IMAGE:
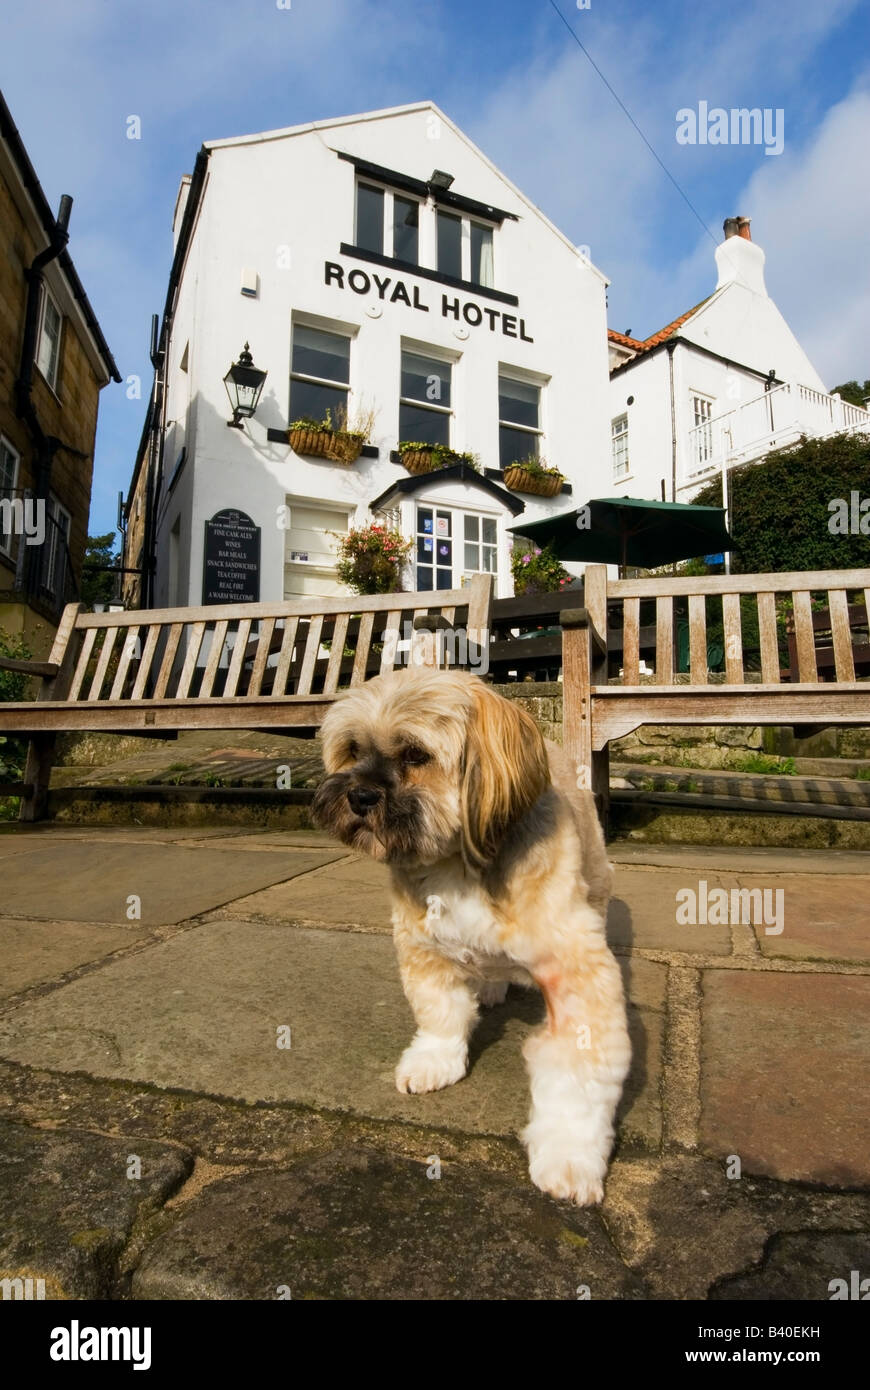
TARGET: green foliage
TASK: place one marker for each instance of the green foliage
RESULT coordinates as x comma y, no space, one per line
97,586
852,391
537,571
371,558
762,762
13,751
780,508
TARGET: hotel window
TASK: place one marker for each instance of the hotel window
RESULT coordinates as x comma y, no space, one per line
619,445
8,477
378,209
320,373
406,229
481,544
424,407
464,249
442,563
48,339
370,217
449,244
56,546
702,412
519,420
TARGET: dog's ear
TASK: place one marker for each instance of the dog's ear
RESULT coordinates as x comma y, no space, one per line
504,772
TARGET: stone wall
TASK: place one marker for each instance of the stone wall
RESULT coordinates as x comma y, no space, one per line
679,745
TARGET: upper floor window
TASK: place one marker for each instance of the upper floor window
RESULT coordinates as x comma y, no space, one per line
8,479
619,445
702,414
319,373
387,223
56,546
48,339
519,420
464,249
424,407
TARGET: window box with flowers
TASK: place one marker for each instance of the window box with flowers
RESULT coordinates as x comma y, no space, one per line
533,475
537,571
426,458
334,440
371,559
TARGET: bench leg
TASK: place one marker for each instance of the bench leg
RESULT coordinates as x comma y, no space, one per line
37,773
600,782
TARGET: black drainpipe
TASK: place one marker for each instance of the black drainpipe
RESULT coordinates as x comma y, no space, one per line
46,445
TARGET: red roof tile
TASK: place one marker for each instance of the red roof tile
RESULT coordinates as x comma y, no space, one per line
663,334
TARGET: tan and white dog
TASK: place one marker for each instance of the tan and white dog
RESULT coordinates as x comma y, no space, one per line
499,874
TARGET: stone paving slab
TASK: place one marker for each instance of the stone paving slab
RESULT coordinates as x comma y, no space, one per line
67,1205
822,920
64,881
784,1074
201,1012
684,1225
33,953
356,1224
643,912
805,1267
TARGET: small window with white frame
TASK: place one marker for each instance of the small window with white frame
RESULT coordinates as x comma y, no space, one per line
9,461
464,248
619,445
57,545
48,338
425,399
387,222
319,373
702,415
519,420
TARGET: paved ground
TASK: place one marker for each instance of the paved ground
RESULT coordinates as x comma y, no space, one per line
159,1137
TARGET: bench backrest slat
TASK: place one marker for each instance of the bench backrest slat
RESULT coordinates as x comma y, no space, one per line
285,655
264,645
215,652
664,640
733,634
841,635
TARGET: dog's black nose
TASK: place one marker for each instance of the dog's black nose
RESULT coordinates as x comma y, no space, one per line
363,799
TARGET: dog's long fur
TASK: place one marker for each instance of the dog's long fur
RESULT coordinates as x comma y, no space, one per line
499,875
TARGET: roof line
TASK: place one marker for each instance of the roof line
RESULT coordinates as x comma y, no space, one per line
386,113
10,133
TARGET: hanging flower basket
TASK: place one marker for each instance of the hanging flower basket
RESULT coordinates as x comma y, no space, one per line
341,446
519,477
309,439
422,459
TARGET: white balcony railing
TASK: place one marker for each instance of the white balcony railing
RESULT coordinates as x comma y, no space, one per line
770,421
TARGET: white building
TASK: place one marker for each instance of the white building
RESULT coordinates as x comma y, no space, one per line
372,262
723,384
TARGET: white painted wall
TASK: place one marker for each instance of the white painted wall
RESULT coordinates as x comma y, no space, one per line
288,196
739,323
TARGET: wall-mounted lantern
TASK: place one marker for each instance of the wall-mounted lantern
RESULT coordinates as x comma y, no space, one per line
244,382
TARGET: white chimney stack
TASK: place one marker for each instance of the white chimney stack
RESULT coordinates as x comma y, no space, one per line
738,259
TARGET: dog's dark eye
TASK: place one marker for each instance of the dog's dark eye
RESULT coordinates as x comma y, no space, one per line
353,749
414,756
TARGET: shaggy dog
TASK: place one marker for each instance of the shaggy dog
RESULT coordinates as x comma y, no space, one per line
499,875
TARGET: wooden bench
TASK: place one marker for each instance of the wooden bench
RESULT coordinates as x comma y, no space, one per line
156,672
597,709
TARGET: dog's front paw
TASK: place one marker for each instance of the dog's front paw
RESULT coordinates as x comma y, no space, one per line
431,1063
570,1179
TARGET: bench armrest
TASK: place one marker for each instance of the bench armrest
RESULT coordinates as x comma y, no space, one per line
579,617
48,669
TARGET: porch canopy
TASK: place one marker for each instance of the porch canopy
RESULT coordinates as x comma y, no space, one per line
631,531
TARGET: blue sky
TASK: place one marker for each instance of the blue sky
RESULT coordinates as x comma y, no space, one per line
511,76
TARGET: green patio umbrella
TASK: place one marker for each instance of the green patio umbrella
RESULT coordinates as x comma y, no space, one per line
631,531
